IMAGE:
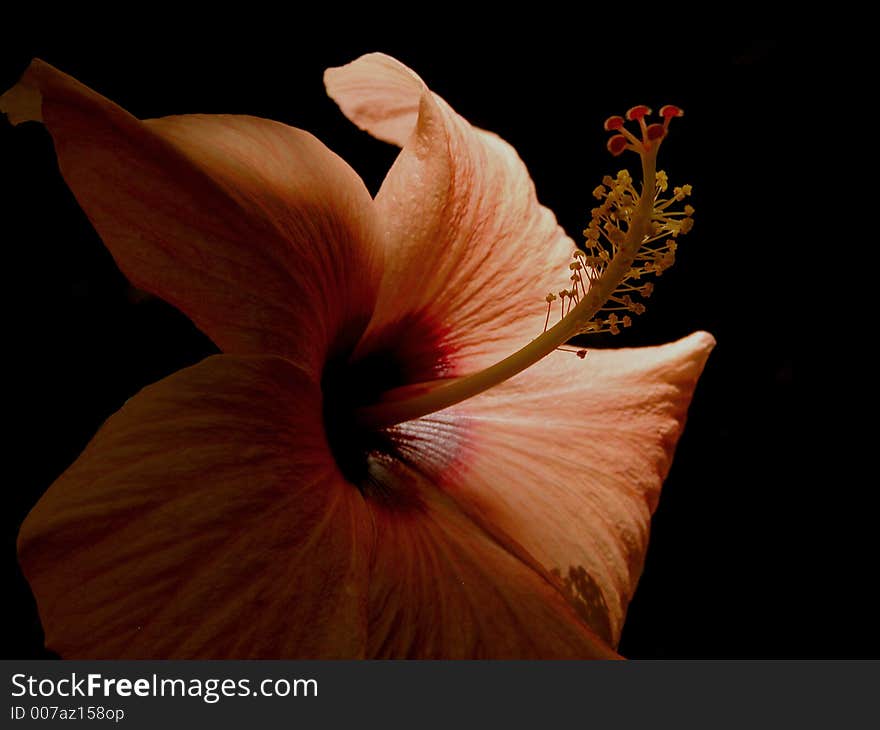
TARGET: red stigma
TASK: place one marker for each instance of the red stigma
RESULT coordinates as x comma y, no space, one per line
651,134
655,131
638,112
617,144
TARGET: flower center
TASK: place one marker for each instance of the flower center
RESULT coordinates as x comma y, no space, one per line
631,234
347,386
393,361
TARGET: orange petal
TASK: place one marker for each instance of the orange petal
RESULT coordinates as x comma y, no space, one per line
445,586
260,234
471,254
205,520
569,457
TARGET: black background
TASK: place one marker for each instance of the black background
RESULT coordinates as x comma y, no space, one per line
721,578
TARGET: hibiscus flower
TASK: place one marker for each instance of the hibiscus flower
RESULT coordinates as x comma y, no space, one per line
389,458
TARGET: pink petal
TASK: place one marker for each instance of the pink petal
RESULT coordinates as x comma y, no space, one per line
260,234
569,458
205,520
446,586
471,254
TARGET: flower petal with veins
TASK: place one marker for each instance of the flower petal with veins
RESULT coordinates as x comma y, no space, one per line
470,251
569,457
255,230
191,528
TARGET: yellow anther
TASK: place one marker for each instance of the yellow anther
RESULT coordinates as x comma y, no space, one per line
611,323
682,192
607,233
662,181
599,192
551,297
